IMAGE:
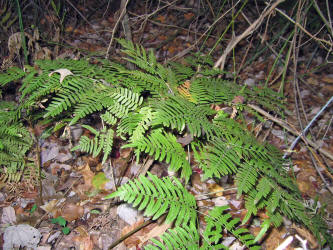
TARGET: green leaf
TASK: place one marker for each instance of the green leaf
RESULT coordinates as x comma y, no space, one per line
99,180
33,209
59,220
66,230
264,227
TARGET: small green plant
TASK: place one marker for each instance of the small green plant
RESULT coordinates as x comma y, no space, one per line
33,209
61,222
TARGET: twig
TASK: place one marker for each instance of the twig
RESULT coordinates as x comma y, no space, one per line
314,158
307,128
123,11
322,41
291,130
221,61
303,242
146,223
286,243
187,50
83,17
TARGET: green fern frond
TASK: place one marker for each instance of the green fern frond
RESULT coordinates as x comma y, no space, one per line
184,237
12,74
92,101
217,220
247,177
15,140
109,118
72,90
135,124
102,142
182,72
156,196
178,113
137,55
127,98
164,147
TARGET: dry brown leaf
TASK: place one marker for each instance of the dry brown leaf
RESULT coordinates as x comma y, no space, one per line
85,241
87,174
161,18
154,232
304,233
275,238
188,16
133,240
71,212
327,79
51,206
216,189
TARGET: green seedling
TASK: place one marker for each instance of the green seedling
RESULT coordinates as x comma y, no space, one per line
33,209
61,222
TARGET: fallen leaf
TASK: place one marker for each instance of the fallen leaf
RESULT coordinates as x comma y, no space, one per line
154,232
216,189
71,212
63,73
188,16
304,233
8,215
83,239
99,180
51,206
327,79
275,238
88,176
161,18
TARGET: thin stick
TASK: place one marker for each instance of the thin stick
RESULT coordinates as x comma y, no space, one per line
123,11
291,130
322,41
221,61
307,128
121,239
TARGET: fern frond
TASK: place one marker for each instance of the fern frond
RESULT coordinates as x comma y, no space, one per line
15,140
178,113
182,72
12,74
164,146
137,55
72,90
217,220
185,237
135,124
109,118
92,101
156,196
127,98
103,141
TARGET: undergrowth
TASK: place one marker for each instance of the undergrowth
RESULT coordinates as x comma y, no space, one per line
151,108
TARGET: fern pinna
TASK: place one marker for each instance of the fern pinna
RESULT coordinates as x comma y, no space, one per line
151,109
167,195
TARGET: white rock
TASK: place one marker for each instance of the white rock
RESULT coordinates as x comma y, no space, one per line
128,214
22,235
249,82
8,215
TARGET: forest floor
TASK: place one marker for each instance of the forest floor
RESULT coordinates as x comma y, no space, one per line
69,188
